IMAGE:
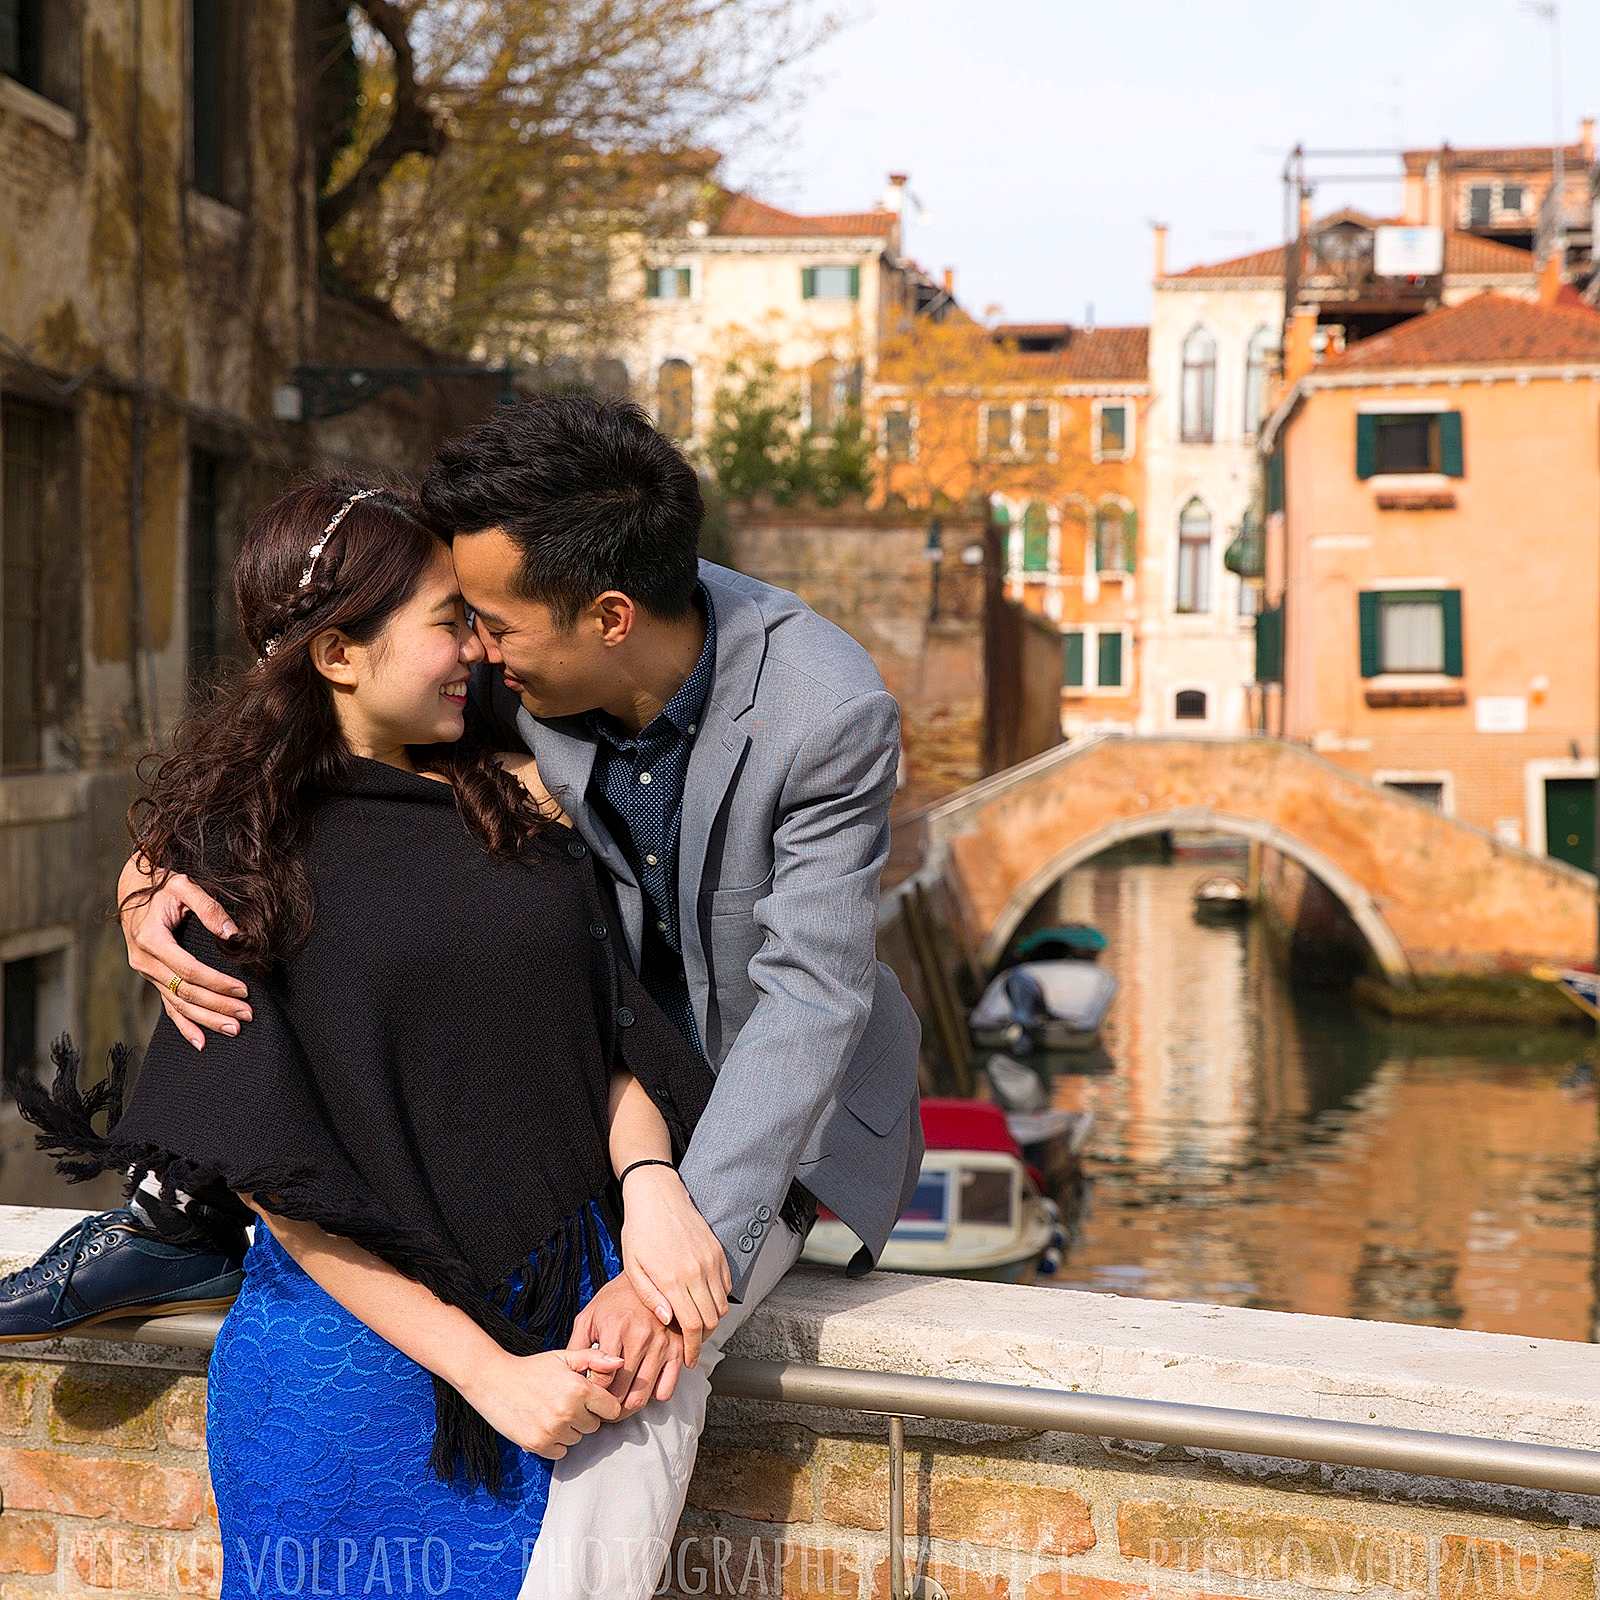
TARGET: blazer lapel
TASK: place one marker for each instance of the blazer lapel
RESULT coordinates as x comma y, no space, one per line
565,757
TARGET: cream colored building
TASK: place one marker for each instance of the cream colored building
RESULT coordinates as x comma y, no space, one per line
817,292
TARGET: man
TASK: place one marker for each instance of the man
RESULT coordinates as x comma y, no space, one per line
730,756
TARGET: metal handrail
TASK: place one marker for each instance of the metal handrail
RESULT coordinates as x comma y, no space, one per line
899,1395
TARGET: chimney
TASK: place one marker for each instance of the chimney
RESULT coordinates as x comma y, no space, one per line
894,197
1305,210
1433,212
950,282
1158,235
1552,276
1299,351
1586,138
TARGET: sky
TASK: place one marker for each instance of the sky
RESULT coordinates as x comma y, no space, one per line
1042,137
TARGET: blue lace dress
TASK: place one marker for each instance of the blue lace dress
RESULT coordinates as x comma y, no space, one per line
318,1432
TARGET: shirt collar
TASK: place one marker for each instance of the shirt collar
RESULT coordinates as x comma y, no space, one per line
682,711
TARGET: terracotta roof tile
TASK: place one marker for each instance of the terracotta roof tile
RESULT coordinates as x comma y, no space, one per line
1487,330
746,218
1463,253
1496,158
1091,355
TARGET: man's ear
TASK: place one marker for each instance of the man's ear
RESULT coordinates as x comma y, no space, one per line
336,658
616,614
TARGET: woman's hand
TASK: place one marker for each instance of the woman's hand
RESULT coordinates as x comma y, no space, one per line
204,998
544,1403
673,1259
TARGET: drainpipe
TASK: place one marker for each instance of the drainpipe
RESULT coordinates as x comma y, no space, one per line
143,694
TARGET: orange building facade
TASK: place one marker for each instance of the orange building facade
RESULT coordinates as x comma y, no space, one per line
1044,422
1433,566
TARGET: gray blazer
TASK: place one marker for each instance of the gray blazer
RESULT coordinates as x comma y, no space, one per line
784,835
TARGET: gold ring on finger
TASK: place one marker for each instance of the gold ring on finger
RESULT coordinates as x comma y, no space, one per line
174,984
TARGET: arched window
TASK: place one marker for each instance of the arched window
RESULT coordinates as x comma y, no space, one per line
1194,558
675,398
833,387
1199,389
1255,378
1036,539
1110,554
1190,705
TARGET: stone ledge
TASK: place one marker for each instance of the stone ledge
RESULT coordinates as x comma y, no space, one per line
1443,1380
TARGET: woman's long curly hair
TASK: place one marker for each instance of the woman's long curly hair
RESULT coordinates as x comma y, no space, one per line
229,801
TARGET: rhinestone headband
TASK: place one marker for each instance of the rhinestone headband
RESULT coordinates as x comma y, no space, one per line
312,556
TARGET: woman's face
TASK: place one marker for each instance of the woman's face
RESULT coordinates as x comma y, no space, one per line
412,684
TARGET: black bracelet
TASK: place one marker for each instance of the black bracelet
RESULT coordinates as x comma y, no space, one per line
644,1161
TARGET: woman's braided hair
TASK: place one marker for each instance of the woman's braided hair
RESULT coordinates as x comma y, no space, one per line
229,800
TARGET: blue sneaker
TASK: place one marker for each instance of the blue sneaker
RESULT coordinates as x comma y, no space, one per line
112,1265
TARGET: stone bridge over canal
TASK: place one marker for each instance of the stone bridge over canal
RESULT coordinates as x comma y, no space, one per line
1430,895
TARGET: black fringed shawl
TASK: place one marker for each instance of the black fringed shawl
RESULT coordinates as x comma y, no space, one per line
427,1077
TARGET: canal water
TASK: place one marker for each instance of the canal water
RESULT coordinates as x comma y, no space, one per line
1263,1143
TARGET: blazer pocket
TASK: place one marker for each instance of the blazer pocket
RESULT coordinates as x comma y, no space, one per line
736,902
876,1097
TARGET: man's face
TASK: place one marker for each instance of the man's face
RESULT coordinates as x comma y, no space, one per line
557,672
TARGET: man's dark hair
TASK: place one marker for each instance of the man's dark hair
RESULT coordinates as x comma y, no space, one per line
593,495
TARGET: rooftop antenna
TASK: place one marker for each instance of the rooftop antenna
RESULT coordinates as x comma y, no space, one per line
1550,11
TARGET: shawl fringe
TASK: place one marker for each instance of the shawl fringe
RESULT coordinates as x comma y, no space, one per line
536,1299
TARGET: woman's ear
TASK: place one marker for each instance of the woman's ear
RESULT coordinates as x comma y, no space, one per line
336,658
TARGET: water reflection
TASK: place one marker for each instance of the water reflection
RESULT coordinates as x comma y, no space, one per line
1259,1144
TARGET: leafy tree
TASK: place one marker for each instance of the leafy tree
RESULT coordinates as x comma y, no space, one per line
499,150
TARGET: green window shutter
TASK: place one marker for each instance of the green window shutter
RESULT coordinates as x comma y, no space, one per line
808,283
1275,476
683,282
1450,460
1366,445
1269,645
1035,539
652,284
855,283
1072,660
1450,600
1371,653
1110,663
1130,540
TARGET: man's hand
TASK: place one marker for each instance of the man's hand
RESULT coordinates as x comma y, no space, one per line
623,1325
672,1257
205,998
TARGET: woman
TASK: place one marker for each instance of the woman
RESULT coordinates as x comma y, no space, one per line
449,1065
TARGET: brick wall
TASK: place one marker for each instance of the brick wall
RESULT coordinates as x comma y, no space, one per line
869,572
103,1474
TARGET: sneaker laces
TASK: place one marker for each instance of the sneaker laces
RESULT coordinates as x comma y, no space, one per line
63,1257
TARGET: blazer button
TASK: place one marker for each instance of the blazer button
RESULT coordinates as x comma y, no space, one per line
598,929
577,849
746,1243
758,1228
764,1212
625,1017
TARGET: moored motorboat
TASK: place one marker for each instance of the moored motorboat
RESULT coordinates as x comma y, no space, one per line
978,1210
1067,941
1222,896
1043,1005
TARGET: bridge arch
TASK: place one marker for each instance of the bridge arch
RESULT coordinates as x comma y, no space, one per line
1430,894
1385,946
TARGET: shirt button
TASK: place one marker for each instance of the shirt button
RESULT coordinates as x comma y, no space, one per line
650,861
644,777
625,1018
577,849
691,727
661,927
597,929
